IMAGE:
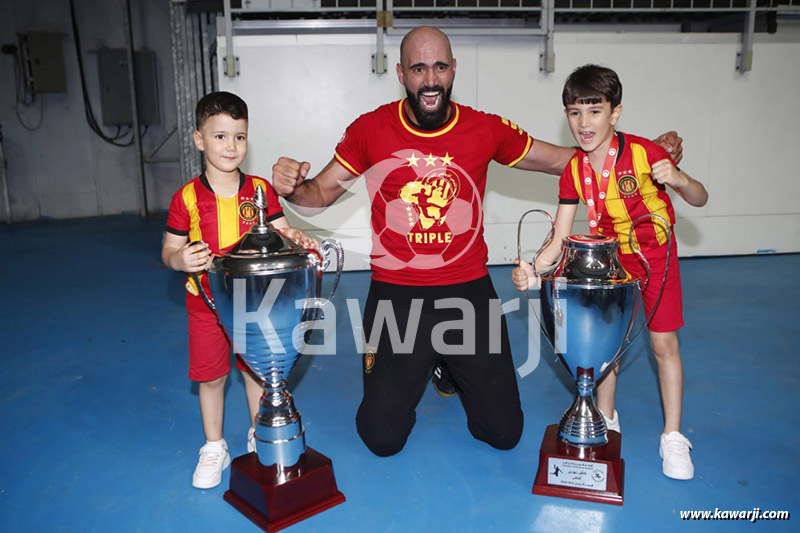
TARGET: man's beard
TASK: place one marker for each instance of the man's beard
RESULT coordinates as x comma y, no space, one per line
430,120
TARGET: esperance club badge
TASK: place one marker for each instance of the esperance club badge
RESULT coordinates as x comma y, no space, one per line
369,358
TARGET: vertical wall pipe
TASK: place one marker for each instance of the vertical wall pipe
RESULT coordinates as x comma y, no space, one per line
137,137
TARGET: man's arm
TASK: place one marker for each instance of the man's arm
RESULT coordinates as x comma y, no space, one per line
672,143
546,157
551,159
289,181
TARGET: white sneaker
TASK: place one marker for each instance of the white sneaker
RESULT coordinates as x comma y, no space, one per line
674,449
214,458
612,423
251,439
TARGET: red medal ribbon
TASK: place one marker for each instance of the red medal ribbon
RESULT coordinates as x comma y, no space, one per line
596,198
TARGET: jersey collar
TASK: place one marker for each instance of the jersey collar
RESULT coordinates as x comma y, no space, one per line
207,185
420,133
621,147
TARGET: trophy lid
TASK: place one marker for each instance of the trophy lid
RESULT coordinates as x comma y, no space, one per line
590,241
263,249
589,260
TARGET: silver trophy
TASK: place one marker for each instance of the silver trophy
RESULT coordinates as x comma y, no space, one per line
589,305
266,293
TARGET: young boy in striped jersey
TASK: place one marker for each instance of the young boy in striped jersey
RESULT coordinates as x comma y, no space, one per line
621,177
208,216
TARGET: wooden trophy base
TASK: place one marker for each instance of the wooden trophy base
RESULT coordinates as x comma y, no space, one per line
590,474
274,502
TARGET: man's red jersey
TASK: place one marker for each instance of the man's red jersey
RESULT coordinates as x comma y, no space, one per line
197,212
427,189
632,192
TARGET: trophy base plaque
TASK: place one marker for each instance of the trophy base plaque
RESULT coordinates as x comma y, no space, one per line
590,474
273,501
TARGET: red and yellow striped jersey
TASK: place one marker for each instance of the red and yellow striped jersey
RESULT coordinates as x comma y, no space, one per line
631,193
197,212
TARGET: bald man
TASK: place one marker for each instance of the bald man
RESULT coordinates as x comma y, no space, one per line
431,303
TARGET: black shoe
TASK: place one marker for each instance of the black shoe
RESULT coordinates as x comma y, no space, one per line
442,382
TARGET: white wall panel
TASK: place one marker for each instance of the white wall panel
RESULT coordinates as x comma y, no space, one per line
304,90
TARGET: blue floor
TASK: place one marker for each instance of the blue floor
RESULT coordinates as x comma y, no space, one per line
100,425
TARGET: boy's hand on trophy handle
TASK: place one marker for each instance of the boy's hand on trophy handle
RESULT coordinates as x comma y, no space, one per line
523,277
196,256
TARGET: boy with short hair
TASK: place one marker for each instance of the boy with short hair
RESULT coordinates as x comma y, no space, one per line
621,177
207,216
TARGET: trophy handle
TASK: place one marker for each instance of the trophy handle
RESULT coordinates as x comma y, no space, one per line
326,246
548,239
637,249
206,298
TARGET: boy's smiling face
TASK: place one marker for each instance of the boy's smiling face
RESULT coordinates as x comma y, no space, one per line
592,125
223,140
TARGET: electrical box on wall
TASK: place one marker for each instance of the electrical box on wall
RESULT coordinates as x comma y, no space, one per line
43,62
115,89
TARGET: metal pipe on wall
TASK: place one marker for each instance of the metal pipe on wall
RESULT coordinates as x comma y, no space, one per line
4,179
137,136
187,61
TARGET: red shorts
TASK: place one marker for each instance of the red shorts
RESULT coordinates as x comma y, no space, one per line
209,348
669,313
